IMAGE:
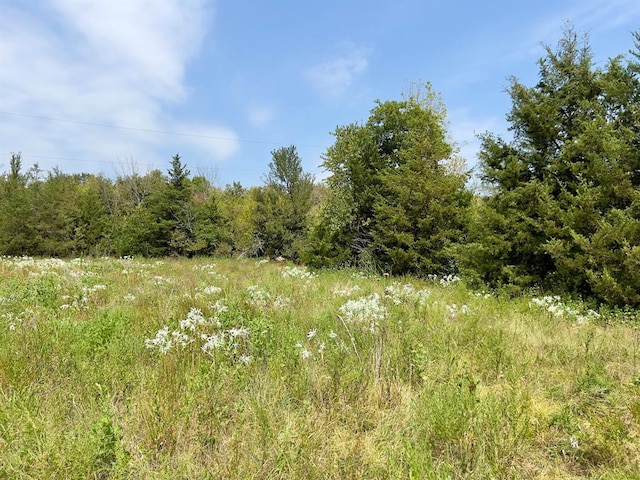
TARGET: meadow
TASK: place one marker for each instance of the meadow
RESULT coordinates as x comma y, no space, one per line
200,368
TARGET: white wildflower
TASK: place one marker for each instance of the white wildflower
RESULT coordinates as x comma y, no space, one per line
239,332
212,342
454,310
554,305
245,359
365,310
281,302
297,272
194,319
574,442
212,290
218,307
161,341
180,338
345,291
399,294
258,297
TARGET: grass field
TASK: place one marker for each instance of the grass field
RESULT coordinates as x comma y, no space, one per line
189,369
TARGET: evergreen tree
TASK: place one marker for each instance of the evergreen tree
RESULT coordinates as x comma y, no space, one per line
178,173
283,205
394,202
15,225
563,213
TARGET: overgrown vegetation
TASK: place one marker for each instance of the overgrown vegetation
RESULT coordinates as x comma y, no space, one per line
142,358
183,368
562,212
559,212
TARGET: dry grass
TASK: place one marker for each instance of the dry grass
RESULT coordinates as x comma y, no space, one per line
445,384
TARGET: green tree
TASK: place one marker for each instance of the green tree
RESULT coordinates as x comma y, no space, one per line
142,225
563,213
283,205
178,173
15,234
395,202
238,207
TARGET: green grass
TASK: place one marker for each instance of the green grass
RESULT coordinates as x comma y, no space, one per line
335,375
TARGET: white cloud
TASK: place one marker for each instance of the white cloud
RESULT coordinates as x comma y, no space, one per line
113,62
333,77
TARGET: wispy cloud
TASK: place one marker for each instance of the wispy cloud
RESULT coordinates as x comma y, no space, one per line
333,77
117,62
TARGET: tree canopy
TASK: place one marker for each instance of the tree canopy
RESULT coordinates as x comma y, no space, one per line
393,202
564,203
560,209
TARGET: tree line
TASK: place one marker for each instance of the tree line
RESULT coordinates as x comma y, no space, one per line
559,207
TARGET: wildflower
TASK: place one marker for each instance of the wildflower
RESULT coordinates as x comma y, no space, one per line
180,338
212,342
239,332
346,291
574,442
245,359
212,290
205,268
454,310
311,334
365,309
554,305
193,321
258,297
161,341
305,354
297,272
399,294
218,307
333,335
281,302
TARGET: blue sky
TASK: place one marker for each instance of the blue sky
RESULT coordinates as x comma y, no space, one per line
119,86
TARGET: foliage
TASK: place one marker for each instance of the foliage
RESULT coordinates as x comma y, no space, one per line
283,205
563,209
152,215
394,202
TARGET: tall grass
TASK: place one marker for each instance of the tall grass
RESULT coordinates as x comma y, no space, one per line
123,368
